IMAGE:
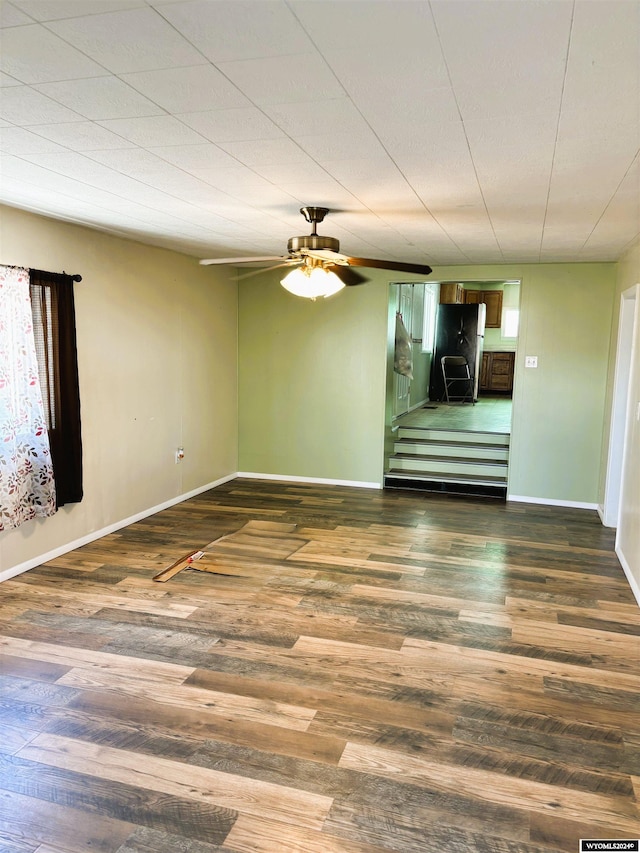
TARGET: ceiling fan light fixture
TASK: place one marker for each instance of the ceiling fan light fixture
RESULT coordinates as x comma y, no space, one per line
311,283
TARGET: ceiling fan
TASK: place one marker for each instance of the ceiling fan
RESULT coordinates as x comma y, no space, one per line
319,268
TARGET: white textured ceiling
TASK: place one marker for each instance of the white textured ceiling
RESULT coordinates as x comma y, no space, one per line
442,132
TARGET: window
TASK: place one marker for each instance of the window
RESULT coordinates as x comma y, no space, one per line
510,322
510,310
429,316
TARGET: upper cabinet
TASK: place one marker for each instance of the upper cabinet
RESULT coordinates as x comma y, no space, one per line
492,299
451,291
456,292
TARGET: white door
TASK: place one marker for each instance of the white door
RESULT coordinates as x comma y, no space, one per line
402,384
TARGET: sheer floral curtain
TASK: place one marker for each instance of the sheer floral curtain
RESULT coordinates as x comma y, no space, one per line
26,476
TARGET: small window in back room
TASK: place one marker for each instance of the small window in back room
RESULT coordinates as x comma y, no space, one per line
510,310
510,321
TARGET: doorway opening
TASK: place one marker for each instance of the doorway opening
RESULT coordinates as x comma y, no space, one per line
458,447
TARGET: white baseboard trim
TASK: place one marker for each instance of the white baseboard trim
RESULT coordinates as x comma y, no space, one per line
323,481
551,502
606,521
111,528
626,568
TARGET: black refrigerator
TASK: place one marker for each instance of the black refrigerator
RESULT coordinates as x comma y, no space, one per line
459,331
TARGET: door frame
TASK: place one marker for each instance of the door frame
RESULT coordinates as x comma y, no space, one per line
621,401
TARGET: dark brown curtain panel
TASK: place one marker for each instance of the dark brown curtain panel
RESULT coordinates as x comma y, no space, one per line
54,327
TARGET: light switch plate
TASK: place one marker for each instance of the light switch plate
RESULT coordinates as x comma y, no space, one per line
531,361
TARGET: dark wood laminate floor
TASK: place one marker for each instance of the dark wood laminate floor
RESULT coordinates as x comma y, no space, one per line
420,673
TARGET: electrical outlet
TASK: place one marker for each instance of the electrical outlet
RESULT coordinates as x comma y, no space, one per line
179,454
531,361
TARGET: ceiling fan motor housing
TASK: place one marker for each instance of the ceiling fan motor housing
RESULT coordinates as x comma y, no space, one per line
313,241
314,215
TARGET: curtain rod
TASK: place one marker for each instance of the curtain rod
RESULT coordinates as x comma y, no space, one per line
76,277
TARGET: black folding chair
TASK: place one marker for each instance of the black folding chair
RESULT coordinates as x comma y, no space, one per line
458,381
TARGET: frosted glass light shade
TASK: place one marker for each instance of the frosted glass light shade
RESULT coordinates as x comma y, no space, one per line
311,283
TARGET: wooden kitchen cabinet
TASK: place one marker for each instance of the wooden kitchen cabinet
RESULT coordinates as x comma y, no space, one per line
492,299
496,372
451,291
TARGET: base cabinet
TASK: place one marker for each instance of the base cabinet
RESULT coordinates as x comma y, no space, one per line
496,373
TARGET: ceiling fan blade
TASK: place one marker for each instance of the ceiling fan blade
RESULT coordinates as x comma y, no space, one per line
420,269
208,261
325,255
290,262
346,274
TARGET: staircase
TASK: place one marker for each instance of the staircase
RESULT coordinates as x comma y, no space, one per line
446,460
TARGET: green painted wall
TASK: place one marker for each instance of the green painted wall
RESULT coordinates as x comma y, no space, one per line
313,378
312,381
